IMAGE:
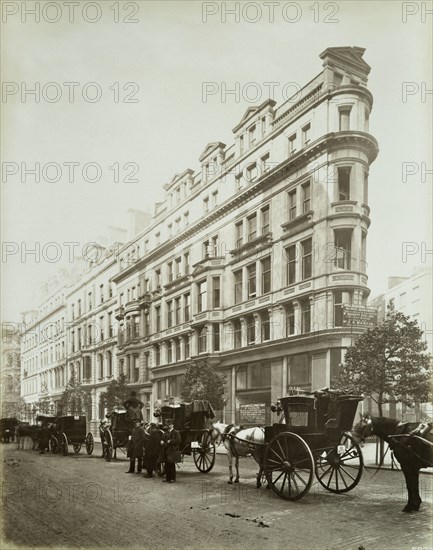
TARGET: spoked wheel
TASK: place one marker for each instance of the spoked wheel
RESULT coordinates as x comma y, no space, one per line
108,446
76,447
289,466
54,444
64,444
90,443
340,468
204,456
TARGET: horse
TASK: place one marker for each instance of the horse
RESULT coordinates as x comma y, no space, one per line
239,443
412,445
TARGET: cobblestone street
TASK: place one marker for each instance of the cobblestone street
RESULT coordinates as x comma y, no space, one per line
80,501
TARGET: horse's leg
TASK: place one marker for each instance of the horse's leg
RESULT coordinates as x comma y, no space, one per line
411,475
237,469
230,459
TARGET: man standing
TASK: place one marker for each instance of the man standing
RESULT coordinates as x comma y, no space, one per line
133,408
153,449
136,448
171,442
43,438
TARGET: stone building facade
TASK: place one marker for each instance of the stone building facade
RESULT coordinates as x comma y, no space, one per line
249,260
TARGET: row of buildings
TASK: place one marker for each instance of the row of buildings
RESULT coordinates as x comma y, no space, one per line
255,261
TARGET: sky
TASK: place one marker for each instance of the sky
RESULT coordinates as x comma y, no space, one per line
149,69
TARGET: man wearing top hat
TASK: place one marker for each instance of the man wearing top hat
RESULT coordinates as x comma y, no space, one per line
136,447
170,444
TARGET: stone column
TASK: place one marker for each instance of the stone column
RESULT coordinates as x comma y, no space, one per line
209,338
257,328
297,311
244,331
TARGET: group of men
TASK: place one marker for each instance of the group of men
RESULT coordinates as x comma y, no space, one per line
157,446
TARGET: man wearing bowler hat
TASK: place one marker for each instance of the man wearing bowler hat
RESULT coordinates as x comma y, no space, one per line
170,444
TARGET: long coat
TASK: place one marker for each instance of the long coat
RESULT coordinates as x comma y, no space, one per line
43,437
136,443
171,446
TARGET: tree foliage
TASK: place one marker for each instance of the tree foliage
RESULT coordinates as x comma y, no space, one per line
202,381
75,400
389,363
117,392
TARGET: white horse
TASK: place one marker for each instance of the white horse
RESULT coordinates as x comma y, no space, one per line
239,443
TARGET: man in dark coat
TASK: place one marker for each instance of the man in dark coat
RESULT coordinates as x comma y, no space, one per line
171,443
133,408
43,434
153,449
136,448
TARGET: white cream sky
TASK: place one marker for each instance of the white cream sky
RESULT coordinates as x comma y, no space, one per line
169,54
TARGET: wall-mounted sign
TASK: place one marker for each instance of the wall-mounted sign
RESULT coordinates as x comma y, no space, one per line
252,413
357,316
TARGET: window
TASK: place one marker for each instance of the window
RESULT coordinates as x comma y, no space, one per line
202,340
239,229
170,271
251,172
178,194
344,183
157,357
306,134
177,350
367,120
158,318
89,301
291,264
237,332
266,274
306,197
266,327
146,323
158,278
177,225
305,316
214,199
216,292
241,144
211,248
101,294
340,298
299,370
292,205
170,314
265,219
158,238
344,114
290,320
292,145
216,337
186,307
79,308
177,311
252,227
186,263
238,286
251,330
177,267
146,245
307,257
202,296
241,378
187,352
186,219
335,365
252,135
343,246
206,205
239,182
169,352
170,229
365,189
263,125
251,274
264,163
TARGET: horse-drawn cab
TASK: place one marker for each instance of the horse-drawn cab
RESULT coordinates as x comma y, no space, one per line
116,435
323,411
190,419
7,429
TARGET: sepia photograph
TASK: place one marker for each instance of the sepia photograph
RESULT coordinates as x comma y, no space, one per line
216,274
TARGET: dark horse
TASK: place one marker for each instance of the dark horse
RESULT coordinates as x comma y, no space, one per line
412,444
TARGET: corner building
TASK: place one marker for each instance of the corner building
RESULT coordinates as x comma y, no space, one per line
249,261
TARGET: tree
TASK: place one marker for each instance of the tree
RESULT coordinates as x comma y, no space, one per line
389,363
117,392
202,381
75,399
